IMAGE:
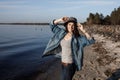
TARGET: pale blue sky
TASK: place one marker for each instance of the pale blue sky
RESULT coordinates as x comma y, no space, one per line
47,10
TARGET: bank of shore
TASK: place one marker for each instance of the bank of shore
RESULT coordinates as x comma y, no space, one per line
101,62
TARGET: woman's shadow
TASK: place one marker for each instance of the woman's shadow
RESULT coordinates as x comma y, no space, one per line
115,75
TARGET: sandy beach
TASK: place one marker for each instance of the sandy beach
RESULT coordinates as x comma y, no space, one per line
101,62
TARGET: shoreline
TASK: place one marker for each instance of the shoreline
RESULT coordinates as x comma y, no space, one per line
98,64
24,23
27,24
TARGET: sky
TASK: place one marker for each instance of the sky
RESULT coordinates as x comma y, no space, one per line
47,10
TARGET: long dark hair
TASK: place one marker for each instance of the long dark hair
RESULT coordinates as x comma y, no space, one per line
75,31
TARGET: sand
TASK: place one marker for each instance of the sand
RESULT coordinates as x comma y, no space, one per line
101,62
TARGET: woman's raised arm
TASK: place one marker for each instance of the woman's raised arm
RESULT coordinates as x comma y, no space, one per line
63,19
53,25
80,27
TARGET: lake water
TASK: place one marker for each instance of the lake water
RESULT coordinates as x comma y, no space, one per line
21,47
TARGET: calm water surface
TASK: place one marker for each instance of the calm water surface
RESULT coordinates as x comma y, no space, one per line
21,47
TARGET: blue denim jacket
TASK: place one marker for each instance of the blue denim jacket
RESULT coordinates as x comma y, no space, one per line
77,44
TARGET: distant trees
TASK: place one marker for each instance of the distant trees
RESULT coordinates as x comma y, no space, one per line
107,20
97,18
90,20
115,16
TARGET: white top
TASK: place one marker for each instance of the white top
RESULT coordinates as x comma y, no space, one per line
66,51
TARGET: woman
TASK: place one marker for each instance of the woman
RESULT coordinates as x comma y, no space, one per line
70,43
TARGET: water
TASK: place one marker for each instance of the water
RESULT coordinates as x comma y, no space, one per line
21,47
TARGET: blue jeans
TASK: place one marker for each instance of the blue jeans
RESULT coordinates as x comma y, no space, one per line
68,71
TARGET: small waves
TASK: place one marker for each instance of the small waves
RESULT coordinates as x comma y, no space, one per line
20,50
20,46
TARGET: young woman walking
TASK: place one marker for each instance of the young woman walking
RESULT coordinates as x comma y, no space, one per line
70,43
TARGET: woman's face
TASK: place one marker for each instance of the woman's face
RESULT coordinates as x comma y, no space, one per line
70,26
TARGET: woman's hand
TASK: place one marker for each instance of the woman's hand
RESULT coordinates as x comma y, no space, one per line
80,27
63,19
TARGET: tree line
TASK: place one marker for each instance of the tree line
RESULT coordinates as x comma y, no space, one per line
112,19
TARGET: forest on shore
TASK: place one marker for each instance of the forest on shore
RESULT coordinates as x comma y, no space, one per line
100,19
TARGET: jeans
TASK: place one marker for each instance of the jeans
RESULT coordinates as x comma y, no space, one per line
68,71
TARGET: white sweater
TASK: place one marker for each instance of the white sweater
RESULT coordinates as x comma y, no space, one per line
66,51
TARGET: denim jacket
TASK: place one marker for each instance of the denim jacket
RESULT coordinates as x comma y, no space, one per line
77,44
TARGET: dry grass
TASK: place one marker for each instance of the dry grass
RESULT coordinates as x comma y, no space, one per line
110,31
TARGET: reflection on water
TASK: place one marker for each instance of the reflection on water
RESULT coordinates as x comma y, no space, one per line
21,47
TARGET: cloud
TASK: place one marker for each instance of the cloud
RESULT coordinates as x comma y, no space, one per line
80,5
12,2
65,9
16,4
92,2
